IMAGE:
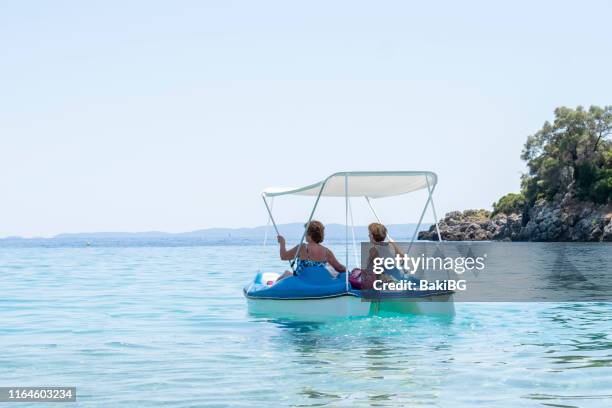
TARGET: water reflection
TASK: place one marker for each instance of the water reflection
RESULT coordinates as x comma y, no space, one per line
374,360
422,359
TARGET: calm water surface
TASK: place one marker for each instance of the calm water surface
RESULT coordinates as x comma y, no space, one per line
158,326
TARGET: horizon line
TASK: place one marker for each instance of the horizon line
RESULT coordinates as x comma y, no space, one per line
150,232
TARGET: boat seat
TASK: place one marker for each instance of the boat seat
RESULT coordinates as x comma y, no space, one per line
316,275
310,282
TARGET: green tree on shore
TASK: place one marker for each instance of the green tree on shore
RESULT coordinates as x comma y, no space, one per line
573,154
509,204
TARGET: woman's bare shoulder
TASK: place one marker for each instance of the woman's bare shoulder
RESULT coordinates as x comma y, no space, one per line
327,250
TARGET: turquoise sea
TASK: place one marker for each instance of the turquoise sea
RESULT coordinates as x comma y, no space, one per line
168,326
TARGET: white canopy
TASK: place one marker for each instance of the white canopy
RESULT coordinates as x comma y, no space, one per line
368,184
373,184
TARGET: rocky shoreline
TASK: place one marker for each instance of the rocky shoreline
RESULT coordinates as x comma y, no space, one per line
565,195
566,221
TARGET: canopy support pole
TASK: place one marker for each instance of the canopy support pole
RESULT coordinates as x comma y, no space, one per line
346,235
372,208
433,208
376,215
263,197
269,220
353,232
270,214
297,253
430,191
265,240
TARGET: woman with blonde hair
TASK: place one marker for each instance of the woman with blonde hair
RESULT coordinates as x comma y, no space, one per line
378,234
312,253
380,249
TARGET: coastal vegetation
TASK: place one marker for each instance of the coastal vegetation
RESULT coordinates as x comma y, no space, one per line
509,204
571,155
566,193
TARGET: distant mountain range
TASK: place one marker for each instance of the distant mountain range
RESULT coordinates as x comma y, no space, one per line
210,236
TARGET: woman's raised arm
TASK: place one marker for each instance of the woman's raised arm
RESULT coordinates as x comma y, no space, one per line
398,250
285,255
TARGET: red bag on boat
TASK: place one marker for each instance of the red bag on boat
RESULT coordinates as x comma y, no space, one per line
355,278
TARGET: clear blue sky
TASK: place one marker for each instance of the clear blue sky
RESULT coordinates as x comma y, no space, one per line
142,115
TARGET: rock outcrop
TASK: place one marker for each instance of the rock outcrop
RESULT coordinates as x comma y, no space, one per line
568,221
564,221
475,225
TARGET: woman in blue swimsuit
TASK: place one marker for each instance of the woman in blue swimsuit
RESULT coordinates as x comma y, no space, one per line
312,253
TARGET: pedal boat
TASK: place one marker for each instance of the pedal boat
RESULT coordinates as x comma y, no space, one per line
312,293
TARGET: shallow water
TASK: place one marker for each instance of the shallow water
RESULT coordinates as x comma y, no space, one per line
168,326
